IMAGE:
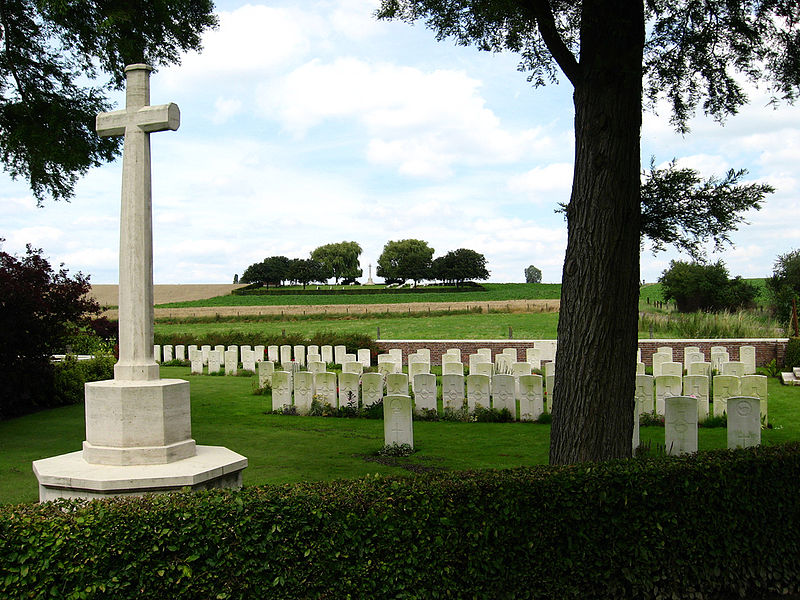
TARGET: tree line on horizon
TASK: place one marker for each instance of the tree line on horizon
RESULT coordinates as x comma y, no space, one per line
401,260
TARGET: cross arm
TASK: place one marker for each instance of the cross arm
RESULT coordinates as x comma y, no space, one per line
158,118
111,123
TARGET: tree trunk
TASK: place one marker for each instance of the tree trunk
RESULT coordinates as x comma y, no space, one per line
593,399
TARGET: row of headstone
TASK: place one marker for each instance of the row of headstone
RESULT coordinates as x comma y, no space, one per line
651,392
501,391
664,362
680,423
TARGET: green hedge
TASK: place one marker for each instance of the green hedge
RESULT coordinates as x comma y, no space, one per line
792,358
357,291
717,525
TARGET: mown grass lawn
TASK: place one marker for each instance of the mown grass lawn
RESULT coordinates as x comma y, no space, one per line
285,449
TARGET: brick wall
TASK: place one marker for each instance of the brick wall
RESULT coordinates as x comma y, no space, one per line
766,349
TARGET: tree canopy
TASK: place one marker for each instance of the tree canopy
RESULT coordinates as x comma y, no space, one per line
458,266
53,57
339,259
706,287
273,270
533,275
784,284
618,55
39,310
681,209
306,270
405,259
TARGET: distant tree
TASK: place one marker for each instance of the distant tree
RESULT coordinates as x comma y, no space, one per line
40,309
405,259
235,279
53,54
784,284
706,287
681,209
273,270
458,266
533,275
340,259
306,270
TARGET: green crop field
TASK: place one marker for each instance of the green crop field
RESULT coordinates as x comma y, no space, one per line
284,449
494,291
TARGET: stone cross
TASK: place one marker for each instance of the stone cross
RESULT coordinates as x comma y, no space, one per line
136,122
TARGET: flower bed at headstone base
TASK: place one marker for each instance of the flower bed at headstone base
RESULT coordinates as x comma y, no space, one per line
720,524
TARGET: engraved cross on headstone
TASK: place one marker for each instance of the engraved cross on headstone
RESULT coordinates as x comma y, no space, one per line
136,122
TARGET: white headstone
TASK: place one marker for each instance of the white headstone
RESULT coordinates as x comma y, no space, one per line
719,348
550,384
346,358
425,391
485,352
534,356
640,367
300,355
658,359
265,370
281,390
478,391
205,349
353,367
452,368
231,362
672,368
196,359
234,349
450,358
214,361
303,391
168,353
397,353
644,394
755,386
718,359
417,368
259,352
397,384
221,349
425,353
371,388
180,352
273,354
455,352
666,385
386,368
286,353
326,352
688,351
325,384
248,360
699,368
531,397
697,387
157,353
364,357
453,391
747,355
744,424
680,424
348,390
665,350
735,368
398,425
503,394
549,369
725,386
317,366
312,349
338,354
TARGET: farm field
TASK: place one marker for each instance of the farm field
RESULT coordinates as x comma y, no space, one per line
285,449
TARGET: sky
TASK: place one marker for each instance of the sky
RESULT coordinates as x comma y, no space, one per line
309,123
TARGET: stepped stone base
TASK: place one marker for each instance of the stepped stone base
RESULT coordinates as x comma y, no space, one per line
792,378
70,476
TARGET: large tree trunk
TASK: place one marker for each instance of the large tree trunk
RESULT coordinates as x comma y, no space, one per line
595,375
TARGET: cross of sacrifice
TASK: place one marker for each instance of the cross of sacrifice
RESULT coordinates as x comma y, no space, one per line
136,122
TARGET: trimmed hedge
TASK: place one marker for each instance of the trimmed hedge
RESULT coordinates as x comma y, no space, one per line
721,524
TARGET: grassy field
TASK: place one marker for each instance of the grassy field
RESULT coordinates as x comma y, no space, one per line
285,449
416,326
494,291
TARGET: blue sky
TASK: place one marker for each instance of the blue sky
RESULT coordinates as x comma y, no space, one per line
309,123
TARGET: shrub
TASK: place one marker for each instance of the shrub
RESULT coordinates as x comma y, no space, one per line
396,450
792,358
662,527
70,375
784,285
697,286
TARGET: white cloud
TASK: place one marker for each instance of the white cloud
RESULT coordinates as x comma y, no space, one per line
548,183
422,123
225,108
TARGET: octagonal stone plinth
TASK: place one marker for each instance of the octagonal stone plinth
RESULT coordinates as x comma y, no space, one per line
138,422
70,476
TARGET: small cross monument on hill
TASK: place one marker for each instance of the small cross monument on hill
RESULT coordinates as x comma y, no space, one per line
138,426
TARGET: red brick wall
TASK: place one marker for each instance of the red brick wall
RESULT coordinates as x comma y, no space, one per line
766,349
